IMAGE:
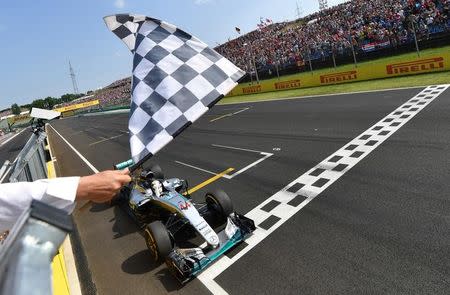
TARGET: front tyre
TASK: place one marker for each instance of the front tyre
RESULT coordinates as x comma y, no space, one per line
220,201
158,240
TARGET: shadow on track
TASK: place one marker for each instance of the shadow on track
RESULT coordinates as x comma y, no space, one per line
143,262
123,224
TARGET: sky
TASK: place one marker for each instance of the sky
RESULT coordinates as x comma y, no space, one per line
38,38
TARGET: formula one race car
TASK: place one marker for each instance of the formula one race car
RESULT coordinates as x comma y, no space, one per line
169,217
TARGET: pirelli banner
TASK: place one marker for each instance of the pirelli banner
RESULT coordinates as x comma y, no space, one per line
363,73
24,118
78,106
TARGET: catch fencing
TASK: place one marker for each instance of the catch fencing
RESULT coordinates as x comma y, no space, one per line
429,64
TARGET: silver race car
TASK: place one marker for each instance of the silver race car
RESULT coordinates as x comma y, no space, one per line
169,218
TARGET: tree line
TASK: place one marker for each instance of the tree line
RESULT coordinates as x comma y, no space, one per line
45,103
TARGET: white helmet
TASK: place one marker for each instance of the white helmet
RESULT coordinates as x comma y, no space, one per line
157,187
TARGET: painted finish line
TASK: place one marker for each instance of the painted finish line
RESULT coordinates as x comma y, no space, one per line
276,210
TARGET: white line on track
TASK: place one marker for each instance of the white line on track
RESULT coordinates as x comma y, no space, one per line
195,167
235,148
95,170
229,115
106,139
298,193
6,173
12,137
243,110
71,269
11,165
266,155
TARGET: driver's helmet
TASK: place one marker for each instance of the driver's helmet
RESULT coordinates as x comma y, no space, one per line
157,188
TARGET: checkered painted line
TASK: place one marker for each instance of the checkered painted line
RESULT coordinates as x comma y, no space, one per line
280,207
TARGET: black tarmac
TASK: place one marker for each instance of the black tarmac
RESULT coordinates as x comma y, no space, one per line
11,148
382,228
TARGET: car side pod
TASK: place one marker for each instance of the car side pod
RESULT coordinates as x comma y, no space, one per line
185,264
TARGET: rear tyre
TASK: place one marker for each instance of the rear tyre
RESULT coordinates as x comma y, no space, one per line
220,201
158,240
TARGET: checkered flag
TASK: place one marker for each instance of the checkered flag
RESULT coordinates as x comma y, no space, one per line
176,79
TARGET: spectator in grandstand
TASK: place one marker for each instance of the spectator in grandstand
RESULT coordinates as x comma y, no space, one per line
5,113
116,94
59,192
366,25
358,25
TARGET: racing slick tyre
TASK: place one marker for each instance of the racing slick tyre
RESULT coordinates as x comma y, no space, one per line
158,240
220,201
157,171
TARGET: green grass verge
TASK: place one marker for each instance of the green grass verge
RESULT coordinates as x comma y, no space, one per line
387,83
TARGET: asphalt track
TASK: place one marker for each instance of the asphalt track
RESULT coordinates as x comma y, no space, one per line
10,148
383,227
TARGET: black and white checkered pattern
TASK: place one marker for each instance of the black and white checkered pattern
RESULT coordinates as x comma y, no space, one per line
176,79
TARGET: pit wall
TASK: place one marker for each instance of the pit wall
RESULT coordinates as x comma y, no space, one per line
363,72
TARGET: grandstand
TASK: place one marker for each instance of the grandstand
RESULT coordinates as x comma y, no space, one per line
5,113
368,29
117,93
367,26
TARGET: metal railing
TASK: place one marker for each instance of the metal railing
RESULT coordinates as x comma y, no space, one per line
31,163
28,249
25,258
4,170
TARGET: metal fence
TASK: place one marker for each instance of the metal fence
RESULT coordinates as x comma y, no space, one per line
28,249
327,56
25,259
30,164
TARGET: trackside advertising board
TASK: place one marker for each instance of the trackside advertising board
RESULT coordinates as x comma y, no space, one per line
362,73
78,106
19,119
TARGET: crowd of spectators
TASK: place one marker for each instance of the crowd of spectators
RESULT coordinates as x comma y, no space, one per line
5,113
118,93
115,94
365,25
75,101
361,24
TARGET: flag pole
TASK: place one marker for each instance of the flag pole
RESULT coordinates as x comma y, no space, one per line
415,36
353,51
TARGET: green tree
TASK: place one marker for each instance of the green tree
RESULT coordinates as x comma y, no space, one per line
26,106
15,109
38,103
70,96
49,102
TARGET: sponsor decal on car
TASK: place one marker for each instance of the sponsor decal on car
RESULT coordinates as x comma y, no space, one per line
184,205
338,77
422,65
287,84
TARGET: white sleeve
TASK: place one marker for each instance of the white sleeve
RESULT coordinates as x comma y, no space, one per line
16,197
